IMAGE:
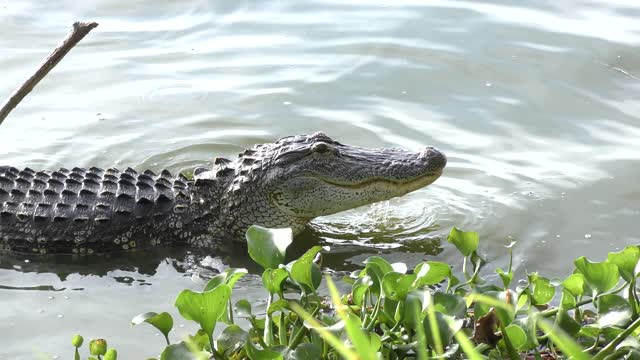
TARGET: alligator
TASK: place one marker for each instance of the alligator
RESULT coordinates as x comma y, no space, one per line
275,185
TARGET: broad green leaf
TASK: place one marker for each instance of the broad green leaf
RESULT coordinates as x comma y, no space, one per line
574,284
415,302
517,336
305,351
567,323
600,276
446,327
626,260
204,308
232,338
261,354
465,241
590,330
563,319
450,304
541,289
179,351
303,269
431,272
279,305
396,286
162,321
272,279
375,341
267,247
229,277
243,308
613,310
199,341
376,267
359,289
568,300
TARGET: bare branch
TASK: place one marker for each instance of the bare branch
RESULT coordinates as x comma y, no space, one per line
79,31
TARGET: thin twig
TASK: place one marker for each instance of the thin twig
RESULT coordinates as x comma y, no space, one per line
79,31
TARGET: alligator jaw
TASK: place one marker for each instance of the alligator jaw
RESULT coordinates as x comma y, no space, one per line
403,186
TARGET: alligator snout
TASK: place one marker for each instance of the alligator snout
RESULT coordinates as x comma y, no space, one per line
434,158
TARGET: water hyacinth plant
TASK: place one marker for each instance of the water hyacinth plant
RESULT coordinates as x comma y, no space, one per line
392,312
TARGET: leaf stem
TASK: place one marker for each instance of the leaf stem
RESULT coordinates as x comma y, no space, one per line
615,342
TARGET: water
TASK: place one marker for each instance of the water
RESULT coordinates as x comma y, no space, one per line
534,102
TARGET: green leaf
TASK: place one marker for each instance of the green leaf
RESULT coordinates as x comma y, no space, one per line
243,308
600,276
204,308
432,272
414,304
267,247
302,270
590,330
563,319
517,336
613,310
446,327
396,286
542,291
199,341
261,354
272,279
465,241
359,289
376,267
626,260
229,277
305,351
162,321
575,284
279,305
178,351
232,338
450,304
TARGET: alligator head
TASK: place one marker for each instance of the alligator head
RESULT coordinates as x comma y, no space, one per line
298,178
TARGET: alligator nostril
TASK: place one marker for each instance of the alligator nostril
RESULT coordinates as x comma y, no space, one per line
434,157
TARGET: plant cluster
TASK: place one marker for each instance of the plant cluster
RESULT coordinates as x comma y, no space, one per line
392,312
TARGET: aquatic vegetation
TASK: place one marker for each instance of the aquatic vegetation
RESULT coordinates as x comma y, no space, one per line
392,312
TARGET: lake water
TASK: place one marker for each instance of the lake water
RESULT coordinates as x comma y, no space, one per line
536,104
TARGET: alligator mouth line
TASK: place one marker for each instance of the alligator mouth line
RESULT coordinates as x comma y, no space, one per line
399,184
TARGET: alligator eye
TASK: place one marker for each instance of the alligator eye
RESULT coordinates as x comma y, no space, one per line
321,148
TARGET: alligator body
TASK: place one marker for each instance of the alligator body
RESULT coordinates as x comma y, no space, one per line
281,184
